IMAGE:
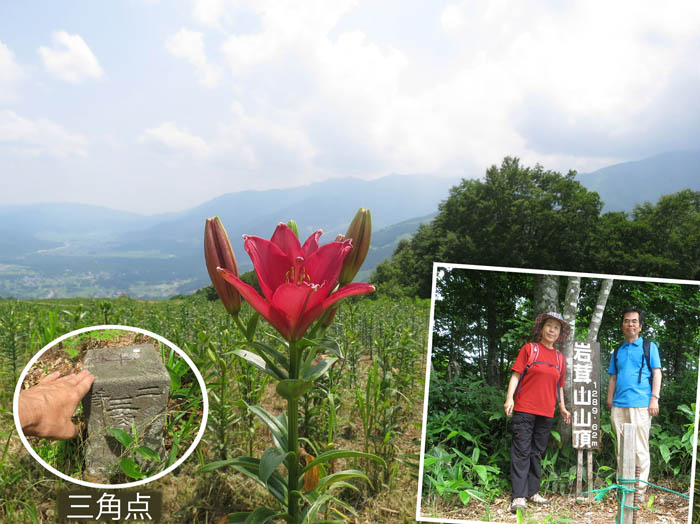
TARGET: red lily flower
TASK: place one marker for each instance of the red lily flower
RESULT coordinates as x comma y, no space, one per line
297,281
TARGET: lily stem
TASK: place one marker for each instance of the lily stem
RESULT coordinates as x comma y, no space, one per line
293,441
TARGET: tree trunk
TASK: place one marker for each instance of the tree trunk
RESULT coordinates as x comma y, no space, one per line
453,354
491,342
567,348
597,318
546,293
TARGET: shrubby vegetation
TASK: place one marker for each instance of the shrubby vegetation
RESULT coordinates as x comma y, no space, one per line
525,217
468,435
515,217
532,218
370,401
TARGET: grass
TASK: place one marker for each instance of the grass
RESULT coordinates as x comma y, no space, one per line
394,331
182,420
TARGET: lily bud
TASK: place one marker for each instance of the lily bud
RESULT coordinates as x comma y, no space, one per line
218,253
360,231
293,226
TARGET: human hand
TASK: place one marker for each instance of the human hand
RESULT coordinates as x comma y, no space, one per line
653,407
610,403
565,413
45,410
508,406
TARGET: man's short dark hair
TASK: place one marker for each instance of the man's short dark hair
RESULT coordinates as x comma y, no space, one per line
634,309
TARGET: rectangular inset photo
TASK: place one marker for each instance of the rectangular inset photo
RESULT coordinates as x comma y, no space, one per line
559,397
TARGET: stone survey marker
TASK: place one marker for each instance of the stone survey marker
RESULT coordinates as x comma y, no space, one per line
130,390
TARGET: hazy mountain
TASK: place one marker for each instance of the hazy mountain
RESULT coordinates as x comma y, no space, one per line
69,218
74,249
622,186
80,250
328,205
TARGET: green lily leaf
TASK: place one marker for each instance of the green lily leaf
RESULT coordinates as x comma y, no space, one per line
148,453
319,369
316,501
328,480
293,388
172,455
277,427
252,325
260,363
131,468
339,453
315,507
238,517
121,436
250,467
269,462
271,353
218,464
260,515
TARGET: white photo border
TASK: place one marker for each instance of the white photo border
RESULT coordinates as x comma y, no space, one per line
447,265
178,462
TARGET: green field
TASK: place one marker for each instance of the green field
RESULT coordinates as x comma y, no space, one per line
370,401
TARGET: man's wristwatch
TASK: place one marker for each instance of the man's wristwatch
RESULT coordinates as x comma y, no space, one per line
655,395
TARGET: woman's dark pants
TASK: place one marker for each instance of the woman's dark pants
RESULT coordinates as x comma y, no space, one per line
530,437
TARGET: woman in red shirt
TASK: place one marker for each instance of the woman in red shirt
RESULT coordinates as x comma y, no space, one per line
536,385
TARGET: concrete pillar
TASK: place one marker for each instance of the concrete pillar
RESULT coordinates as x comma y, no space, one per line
130,392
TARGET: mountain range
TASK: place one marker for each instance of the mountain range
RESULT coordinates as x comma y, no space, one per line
68,249
56,250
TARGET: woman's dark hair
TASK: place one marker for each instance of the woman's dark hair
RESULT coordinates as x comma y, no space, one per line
635,309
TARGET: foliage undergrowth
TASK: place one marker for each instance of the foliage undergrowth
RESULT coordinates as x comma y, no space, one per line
384,343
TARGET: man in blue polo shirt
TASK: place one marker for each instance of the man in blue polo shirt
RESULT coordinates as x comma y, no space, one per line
633,397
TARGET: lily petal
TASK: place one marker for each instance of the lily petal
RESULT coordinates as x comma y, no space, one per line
271,264
311,244
287,241
293,300
248,292
325,264
357,288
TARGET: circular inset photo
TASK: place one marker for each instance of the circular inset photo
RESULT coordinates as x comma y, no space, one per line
110,406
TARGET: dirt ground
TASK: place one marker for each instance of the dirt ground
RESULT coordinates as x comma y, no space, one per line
667,508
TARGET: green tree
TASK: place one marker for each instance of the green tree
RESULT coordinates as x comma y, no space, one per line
517,216
474,311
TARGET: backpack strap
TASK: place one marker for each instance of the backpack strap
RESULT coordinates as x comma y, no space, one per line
532,357
556,386
647,356
615,357
646,347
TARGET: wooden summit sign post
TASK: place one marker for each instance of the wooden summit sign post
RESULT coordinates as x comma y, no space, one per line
585,403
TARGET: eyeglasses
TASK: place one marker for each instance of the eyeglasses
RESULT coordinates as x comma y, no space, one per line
630,321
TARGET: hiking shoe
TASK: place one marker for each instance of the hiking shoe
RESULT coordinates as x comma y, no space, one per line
538,499
519,503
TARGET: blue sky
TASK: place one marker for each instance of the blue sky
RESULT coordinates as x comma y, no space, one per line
153,106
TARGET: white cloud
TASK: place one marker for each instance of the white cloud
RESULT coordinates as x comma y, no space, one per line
569,85
265,143
40,137
171,137
70,59
210,12
10,73
246,142
583,79
285,26
190,46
